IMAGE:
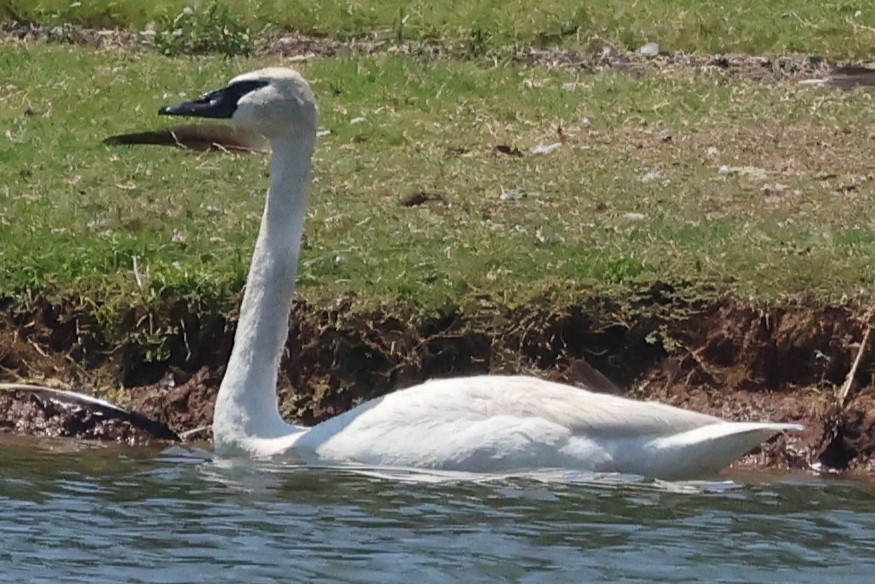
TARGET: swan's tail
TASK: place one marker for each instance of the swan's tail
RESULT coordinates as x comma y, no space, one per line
707,449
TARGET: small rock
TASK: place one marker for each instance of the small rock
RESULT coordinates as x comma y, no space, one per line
650,176
507,149
649,50
511,194
546,148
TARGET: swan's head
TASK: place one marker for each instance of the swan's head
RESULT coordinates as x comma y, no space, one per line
274,102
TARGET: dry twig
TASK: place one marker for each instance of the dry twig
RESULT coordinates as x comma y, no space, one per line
852,373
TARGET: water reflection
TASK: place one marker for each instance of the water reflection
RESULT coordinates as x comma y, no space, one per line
91,513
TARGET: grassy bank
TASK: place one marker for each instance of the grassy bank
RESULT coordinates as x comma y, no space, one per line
833,28
749,188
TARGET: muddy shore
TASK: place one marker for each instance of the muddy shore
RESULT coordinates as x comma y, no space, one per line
723,358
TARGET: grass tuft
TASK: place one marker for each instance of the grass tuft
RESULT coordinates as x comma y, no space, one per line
211,30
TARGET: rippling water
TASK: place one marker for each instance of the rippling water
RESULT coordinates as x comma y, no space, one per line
77,513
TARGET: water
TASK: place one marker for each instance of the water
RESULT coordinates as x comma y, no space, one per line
74,513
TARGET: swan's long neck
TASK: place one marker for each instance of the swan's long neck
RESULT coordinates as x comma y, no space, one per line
246,406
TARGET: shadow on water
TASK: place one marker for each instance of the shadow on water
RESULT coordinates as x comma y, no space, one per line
86,513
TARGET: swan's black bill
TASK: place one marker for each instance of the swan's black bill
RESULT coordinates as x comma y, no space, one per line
219,104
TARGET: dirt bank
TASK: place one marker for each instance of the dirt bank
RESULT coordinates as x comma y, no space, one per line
723,358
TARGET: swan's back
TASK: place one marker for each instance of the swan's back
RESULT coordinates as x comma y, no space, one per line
481,398
494,423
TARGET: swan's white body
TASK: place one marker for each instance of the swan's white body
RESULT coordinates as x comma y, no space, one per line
475,424
506,424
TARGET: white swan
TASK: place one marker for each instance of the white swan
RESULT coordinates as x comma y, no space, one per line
479,424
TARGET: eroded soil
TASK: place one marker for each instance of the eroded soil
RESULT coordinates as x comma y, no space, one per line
723,358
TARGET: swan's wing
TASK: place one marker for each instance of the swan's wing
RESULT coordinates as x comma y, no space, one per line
196,137
578,410
516,400
492,423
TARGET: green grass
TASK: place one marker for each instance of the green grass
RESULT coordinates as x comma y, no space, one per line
633,196
831,28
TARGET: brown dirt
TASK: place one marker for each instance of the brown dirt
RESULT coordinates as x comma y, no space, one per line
723,358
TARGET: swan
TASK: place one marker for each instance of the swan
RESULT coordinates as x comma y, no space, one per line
480,424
